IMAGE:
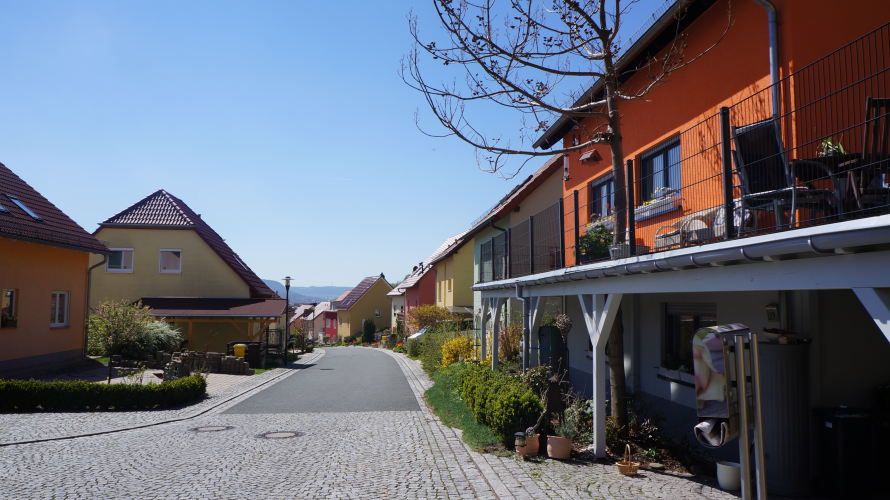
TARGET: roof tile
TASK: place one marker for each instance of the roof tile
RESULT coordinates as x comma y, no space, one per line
54,227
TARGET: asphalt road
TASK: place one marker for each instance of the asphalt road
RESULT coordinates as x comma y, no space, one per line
345,379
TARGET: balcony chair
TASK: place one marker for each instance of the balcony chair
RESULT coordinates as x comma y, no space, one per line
869,179
767,180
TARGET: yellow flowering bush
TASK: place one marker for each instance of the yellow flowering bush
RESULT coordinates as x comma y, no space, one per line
456,349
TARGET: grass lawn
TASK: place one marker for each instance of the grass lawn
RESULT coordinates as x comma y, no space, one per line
448,406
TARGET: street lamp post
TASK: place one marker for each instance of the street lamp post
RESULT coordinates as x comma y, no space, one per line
286,330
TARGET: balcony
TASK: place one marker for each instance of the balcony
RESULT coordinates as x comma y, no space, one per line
812,150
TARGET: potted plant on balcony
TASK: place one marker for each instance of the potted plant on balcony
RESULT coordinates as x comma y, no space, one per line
595,244
8,321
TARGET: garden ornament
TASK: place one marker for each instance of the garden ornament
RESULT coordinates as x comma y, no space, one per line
564,324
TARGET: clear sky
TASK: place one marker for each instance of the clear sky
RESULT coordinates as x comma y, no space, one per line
284,123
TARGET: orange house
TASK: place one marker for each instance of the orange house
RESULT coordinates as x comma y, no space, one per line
672,141
757,181
43,277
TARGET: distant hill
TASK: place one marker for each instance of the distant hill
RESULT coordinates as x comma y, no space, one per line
307,293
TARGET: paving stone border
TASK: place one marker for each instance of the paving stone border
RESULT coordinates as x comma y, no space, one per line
25,428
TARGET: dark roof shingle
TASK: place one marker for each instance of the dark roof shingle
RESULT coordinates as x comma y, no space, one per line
353,296
163,209
214,306
54,227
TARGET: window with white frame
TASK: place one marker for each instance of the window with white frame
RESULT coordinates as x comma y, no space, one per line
59,309
120,261
327,322
171,260
660,170
341,321
7,306
378,313
681,320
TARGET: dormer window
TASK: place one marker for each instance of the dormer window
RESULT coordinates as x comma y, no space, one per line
24,207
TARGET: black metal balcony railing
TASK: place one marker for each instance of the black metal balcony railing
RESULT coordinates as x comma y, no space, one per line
821,154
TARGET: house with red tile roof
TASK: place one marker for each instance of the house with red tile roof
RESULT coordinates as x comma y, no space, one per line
43,278
367,300
167,256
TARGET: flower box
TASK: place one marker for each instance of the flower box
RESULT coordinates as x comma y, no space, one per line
658,207
622,250
9,324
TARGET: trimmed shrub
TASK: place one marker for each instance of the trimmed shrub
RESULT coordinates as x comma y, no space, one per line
29,395
368,331
500,401
415,347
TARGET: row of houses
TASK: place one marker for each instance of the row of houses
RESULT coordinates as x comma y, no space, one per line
333,321
740,211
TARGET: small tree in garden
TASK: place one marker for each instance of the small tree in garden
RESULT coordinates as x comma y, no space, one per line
129,330
368,331
423,316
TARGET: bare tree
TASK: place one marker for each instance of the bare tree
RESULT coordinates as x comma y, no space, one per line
536,61
539,63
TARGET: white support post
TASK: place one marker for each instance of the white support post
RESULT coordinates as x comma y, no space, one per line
599,315
496,304
483,328
537,312
877,303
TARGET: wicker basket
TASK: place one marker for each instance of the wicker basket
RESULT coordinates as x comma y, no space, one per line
628,468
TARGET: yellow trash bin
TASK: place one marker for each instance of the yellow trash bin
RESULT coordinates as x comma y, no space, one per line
239,350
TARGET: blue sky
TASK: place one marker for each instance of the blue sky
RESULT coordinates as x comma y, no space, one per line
283,123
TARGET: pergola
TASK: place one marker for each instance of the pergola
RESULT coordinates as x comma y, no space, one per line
257,313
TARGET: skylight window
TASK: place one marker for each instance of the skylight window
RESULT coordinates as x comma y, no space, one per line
23,207
3,210
239,261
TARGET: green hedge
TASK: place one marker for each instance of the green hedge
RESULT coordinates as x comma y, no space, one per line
28,395
498,400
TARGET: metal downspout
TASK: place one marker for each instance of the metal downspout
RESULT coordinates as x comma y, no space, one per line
86,322
525,326
773,51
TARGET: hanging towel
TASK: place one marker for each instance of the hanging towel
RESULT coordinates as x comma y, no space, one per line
713,432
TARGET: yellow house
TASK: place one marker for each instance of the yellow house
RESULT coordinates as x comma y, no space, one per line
368,300
454,275
165,255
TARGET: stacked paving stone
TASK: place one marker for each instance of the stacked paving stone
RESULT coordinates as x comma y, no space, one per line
214,362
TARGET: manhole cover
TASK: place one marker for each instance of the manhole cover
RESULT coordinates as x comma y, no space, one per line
212,428
280,435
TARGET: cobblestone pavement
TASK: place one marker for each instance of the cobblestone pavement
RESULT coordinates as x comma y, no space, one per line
354,455
18,427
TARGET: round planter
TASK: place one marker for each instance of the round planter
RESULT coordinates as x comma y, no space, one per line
559,448
531,447
729,476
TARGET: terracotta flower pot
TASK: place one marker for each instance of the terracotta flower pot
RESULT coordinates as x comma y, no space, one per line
559,448
531,447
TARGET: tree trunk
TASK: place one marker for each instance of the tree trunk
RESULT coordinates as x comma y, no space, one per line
618,398
619,211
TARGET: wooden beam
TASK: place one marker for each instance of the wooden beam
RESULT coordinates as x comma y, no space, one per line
191,331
